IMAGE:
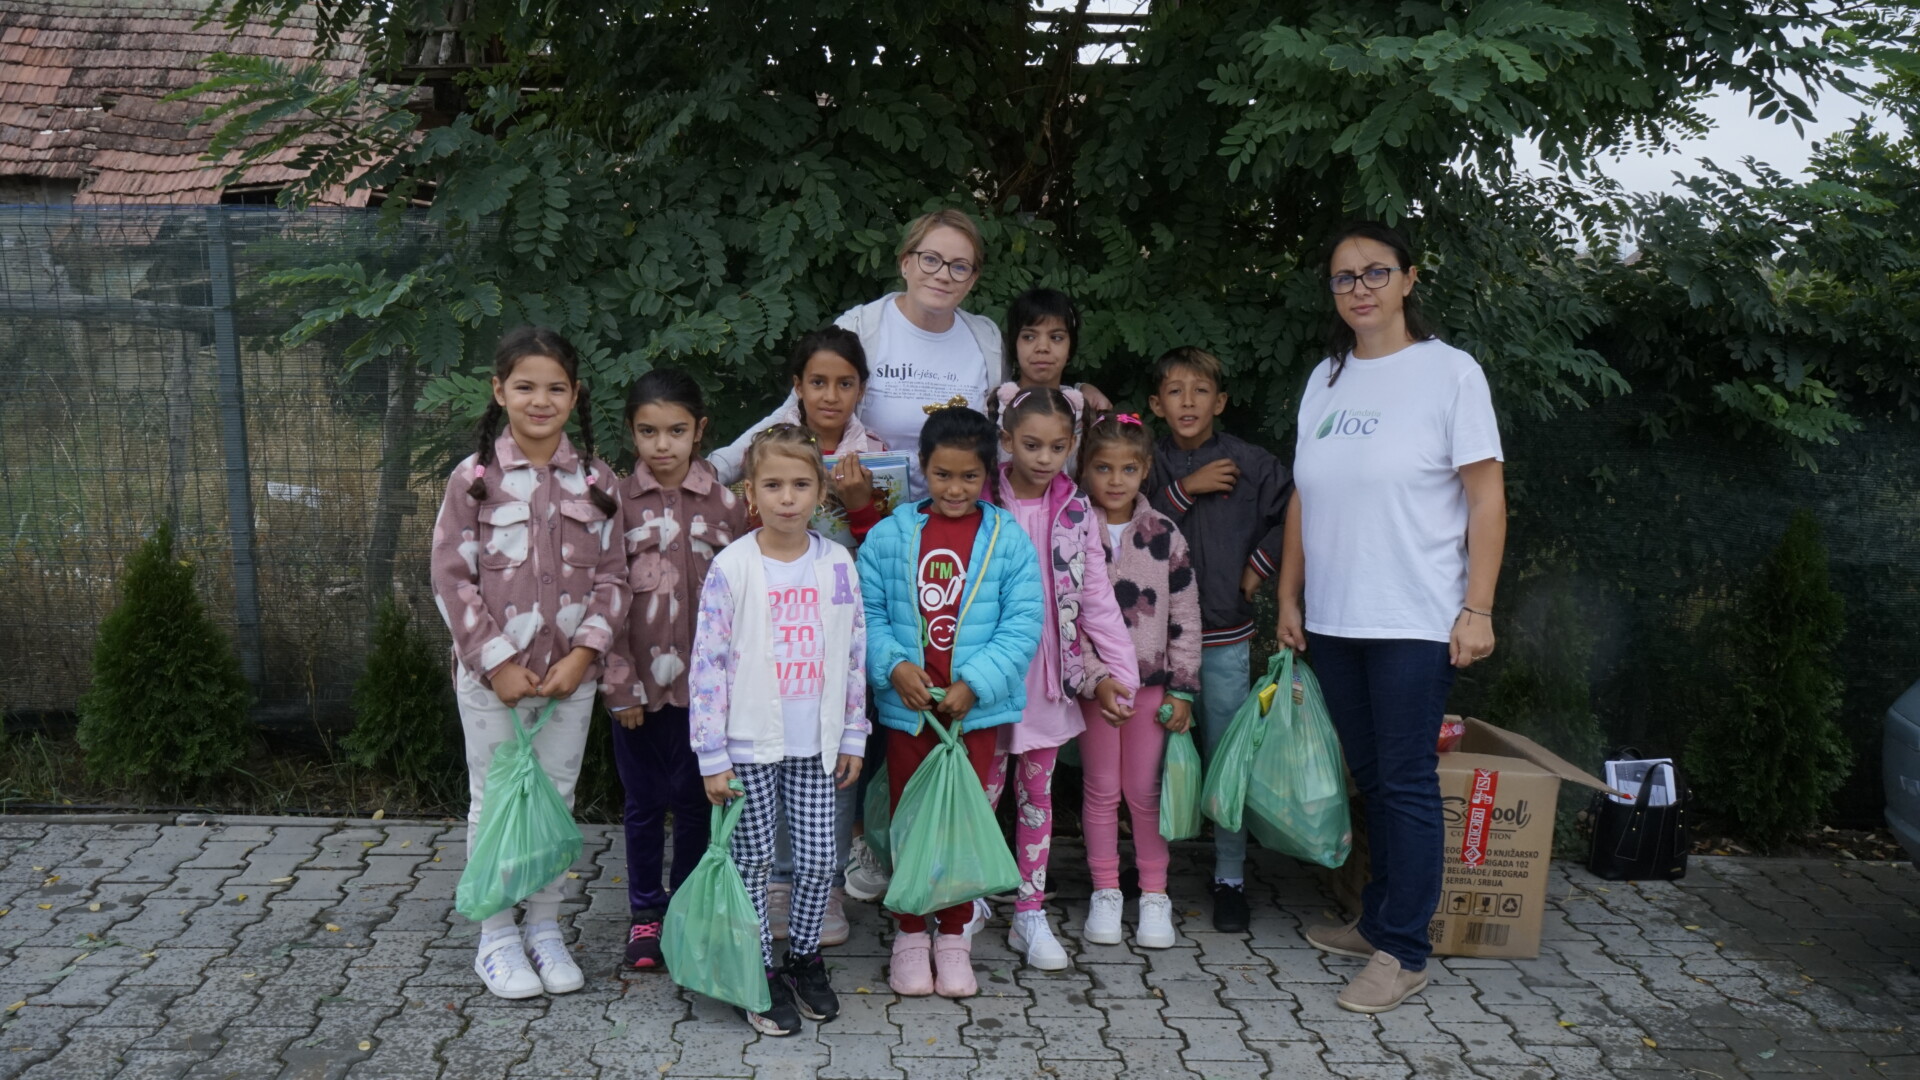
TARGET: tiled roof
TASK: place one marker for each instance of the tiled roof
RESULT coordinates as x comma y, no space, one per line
80,89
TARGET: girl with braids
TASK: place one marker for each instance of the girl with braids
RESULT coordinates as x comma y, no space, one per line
675,515
1085,651
528,578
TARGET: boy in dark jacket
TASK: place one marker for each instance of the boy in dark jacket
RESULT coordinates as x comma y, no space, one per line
1229,498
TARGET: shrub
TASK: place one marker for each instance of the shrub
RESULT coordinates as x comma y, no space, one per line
1543,690
403,707
167,709
1771,757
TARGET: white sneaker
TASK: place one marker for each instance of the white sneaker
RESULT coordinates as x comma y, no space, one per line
1103,917
502,965
866,878
1033,938
548,951
982,911
1154,930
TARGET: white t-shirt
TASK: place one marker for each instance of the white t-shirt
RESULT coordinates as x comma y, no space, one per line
913,369
1383,509
799,647
1113,535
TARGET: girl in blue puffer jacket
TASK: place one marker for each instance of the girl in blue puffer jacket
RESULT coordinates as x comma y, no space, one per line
953,599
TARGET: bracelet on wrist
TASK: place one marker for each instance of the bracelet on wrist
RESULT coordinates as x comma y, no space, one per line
1471,611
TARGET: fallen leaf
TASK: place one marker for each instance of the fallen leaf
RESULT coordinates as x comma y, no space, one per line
4,911
38,870
1568,1023
246,974
663,1068
377,815
1766,1055
436,858
573,875
369,843
49,907
95,906
1806,976
406,843
240,898
931,1040
1719,944
366,1044
1693,927
50,880
333,928
280,881
1651,1045
861,990
17,1006
616,881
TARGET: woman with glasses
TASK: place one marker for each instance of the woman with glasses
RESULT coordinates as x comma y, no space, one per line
923,351
1394,535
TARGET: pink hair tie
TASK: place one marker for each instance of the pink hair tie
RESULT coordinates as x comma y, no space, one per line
1128,418
479,472
1022,396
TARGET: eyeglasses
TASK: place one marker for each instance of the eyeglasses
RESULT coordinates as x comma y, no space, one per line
1376,278
931,264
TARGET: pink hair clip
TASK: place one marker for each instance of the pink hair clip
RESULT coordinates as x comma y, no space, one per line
1018,398
479,472
1128,418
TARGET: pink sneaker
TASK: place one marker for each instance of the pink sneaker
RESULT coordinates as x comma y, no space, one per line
910,974
953,956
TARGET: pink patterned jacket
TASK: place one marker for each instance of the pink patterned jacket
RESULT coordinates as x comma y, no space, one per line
531,572
1074,564
1154,583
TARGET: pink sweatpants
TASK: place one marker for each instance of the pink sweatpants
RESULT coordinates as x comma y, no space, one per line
1124,759
1031,776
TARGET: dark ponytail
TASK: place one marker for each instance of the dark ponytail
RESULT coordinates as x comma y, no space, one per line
518,344
1340,337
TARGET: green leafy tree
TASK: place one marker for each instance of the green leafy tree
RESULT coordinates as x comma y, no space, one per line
403,707
1544,689
697,185
1771,759
167,708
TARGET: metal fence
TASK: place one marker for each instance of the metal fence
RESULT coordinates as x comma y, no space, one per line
145,381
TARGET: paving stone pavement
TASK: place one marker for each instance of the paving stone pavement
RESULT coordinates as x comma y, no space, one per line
296,949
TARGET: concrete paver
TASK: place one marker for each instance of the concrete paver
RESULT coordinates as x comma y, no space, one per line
260,947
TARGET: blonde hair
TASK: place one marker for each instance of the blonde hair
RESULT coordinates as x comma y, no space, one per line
790,440
948,218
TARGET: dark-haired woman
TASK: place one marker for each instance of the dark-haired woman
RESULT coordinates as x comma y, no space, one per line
527,576
1394,534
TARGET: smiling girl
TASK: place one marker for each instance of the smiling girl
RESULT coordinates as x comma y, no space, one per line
528,578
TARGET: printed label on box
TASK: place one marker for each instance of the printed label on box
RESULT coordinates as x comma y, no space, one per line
1473,846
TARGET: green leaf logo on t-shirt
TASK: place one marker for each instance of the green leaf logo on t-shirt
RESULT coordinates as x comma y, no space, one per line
1326,425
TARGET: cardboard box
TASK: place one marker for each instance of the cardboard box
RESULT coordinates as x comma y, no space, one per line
1498,793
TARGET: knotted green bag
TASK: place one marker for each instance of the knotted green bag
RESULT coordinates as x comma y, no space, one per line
877,813
1231,763
947,847
527,836
1297,792
1180,785
711,935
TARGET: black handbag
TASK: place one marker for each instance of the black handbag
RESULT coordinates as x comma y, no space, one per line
1638,841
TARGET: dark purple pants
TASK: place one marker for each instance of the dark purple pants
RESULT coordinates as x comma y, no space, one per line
659,771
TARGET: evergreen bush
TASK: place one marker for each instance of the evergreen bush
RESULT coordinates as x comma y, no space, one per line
167,709
1771,757
1543,691
403,708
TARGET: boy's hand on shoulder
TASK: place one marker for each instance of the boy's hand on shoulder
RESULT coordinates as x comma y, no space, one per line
511,682
1218,475
958,703
911,683
719,793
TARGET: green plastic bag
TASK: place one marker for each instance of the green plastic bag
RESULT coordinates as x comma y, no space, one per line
1297,792
527,836
711,935
877,815
1225,795
1180,784
947,847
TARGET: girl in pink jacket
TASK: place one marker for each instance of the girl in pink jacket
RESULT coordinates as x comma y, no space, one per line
1085,652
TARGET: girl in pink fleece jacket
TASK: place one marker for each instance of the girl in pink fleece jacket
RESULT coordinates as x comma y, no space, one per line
1084,653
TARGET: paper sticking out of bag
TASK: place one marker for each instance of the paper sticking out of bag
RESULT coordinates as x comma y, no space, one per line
1625,778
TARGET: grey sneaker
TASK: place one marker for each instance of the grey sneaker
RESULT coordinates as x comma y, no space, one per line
1381,986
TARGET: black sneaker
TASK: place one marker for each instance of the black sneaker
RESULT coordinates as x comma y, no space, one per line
1230,913
808,977
643,941
781,1018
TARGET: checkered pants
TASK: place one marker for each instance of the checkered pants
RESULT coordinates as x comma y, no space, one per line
802,790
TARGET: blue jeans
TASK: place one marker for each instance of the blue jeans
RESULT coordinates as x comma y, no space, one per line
1224,682
1387,698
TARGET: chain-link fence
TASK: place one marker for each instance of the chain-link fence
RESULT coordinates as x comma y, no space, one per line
145,380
